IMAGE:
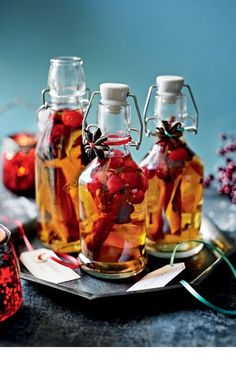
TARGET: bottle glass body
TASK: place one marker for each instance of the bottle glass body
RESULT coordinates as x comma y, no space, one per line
112,193
59,156
59,162
175,184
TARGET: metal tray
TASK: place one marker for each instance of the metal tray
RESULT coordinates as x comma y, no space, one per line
198,268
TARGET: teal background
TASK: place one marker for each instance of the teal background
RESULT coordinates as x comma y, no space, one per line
128,41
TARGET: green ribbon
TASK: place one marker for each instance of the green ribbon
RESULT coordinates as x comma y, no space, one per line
192,291
181,129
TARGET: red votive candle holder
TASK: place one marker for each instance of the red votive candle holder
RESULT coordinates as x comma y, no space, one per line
19,163
10,286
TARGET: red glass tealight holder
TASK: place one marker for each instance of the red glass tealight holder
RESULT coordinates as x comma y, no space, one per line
19,163
10,286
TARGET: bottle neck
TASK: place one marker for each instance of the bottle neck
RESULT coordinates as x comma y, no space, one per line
114,122
69,102
170,108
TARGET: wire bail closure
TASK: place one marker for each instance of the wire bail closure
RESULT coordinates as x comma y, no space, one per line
193,128
137,143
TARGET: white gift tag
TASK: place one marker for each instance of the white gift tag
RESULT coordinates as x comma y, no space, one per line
158,278
47,269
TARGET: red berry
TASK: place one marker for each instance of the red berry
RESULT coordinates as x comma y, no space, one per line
114,184
116,162
130,178
58,133
56,117
179,154
100,176
162,172
129,163
135,196
93,186
143,184
149,174
72,118
226,189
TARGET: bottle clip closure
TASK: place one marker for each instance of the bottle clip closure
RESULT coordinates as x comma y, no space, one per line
139,131
193,128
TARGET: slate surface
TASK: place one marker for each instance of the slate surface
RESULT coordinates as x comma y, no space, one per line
52,318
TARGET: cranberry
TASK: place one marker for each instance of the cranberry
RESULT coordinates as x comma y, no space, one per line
130,178
143,184
135,196
58,134
129,163
72,118
162,172
149,174
226,189
93,186
114,184
116,162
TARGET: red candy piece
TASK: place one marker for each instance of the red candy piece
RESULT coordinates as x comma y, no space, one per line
72,118
179,154
114,184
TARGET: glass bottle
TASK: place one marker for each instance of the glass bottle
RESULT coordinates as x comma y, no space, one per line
10,286
112,191
174,172
60,157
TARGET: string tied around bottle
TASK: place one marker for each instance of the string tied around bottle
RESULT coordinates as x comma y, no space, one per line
169,131
180,129
68,260
191,290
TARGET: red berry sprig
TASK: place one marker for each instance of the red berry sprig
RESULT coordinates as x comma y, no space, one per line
226,173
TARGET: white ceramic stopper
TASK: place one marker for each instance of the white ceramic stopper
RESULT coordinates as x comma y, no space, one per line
114,94
169,85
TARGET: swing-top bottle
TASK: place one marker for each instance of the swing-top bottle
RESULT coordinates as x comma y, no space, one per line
59,155
174,172
112,190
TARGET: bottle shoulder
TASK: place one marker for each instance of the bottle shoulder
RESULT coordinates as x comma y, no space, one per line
169,155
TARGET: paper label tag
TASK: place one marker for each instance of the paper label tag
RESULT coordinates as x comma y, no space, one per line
47,269
158,278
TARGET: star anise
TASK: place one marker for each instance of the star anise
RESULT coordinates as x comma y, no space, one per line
95,144
169,131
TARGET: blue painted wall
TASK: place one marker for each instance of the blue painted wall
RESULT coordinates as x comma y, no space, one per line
127,41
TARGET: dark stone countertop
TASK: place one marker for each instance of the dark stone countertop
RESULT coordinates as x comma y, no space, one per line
53,318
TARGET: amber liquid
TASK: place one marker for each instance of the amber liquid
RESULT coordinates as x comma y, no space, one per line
175,195
112,211
59,162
